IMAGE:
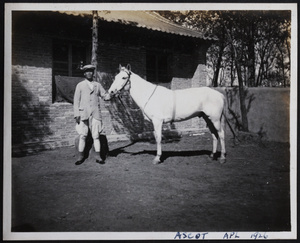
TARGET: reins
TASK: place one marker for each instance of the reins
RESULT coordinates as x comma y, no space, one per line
149,99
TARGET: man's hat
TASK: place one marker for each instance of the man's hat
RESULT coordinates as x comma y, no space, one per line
88,67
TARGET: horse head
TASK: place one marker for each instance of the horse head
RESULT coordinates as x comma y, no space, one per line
121,81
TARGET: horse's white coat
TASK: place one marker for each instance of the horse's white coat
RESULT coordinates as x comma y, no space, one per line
162,105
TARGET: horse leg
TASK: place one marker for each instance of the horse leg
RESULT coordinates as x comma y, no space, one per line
221,133
219,126
213,127
215,145
157,124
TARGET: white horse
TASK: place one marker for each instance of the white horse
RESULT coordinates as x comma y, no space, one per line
161,105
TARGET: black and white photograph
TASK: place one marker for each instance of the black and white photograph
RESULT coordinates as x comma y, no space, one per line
150,121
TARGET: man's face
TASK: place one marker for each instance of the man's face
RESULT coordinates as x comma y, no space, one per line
88,74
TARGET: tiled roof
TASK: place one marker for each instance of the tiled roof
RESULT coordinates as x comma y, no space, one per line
145,19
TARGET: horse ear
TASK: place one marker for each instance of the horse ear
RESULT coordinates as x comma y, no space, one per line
120,67
128,67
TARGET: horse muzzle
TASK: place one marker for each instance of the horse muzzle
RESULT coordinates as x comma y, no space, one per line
107,96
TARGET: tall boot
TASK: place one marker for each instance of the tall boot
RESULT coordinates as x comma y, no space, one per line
98,158
80,158
97,151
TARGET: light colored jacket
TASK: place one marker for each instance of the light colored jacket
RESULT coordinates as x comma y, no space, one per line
87,100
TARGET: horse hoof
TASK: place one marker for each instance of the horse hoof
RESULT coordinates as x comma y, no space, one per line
156,161
222,160
212,157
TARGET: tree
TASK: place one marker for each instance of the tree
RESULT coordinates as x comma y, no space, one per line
253,45
237,60
95,41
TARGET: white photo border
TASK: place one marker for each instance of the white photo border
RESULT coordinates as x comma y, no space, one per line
7,125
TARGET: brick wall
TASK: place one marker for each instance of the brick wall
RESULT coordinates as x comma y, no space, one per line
38,123
118,120
185,70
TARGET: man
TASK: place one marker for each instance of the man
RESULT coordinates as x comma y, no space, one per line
87,112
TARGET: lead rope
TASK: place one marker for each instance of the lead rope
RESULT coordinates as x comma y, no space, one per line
148,100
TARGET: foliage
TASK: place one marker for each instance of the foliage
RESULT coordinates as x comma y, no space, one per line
257,41
253,48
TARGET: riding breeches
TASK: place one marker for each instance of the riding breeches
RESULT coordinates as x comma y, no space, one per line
95,127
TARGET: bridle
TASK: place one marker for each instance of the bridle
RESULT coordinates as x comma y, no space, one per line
124,85
127,81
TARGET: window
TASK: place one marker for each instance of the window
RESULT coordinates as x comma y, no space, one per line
67,58
157,70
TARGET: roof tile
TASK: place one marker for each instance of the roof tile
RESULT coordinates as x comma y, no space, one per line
144,19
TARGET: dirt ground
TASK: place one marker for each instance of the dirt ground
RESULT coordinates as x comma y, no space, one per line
187,192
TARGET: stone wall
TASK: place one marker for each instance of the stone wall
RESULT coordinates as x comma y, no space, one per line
268,111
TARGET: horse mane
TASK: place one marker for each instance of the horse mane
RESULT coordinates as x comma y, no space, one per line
139,77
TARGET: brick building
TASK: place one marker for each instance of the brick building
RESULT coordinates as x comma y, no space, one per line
48,47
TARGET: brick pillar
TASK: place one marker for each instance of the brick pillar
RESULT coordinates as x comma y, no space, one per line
200,76
200,79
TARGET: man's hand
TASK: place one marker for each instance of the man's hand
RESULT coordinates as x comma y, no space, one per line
77,118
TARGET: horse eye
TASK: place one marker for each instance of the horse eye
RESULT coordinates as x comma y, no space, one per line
124,78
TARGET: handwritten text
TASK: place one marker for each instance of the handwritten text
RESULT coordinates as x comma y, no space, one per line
185,235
